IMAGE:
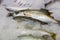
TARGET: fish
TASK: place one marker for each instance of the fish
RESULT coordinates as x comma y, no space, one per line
18,9
38,16
35,14
40,34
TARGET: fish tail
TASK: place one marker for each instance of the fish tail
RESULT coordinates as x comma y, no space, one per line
54,36
59,22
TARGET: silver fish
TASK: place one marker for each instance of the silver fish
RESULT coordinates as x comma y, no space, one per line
38,15
34,13
41,35
16,10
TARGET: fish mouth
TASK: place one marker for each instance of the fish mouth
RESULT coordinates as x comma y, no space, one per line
32,15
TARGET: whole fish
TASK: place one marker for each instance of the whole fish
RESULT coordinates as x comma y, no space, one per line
38,15
29,34
19,9
34,13
16,10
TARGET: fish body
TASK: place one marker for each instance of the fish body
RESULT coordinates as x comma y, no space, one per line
33,13
40,34
16,10
39,16
19,9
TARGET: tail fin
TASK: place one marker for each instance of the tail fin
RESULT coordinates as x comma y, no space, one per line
59,22
54,36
